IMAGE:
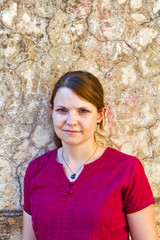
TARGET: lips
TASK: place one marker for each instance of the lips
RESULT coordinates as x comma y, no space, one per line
71,131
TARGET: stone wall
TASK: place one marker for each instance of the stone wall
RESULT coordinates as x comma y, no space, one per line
118,41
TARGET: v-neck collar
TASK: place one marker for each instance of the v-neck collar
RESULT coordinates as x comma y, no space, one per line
86,167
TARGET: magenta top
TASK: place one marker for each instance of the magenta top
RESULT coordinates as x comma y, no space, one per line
94,206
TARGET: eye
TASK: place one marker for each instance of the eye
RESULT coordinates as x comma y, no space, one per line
61,110
83,110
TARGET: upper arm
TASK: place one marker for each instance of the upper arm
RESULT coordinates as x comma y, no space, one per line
142,224
28,233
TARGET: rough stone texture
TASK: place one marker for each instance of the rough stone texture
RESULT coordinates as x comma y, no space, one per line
11,227
157,217
118,41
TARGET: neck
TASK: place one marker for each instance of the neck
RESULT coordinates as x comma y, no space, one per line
78,155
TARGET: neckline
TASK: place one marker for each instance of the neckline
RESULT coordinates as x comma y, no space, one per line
86,166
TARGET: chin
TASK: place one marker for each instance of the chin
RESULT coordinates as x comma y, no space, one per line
72,143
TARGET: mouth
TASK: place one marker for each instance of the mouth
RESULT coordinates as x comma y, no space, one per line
71,131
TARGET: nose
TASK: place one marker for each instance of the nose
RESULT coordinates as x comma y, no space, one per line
72,118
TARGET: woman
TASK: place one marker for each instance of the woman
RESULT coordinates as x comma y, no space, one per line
81,190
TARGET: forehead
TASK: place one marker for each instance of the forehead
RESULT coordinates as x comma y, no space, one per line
66,97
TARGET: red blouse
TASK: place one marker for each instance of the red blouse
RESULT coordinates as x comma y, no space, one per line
94,206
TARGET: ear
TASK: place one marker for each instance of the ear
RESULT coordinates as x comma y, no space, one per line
51,110
101,114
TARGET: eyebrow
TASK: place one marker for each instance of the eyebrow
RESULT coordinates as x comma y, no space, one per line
60,106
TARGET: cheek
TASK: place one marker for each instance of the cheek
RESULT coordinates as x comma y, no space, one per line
57,120
90,124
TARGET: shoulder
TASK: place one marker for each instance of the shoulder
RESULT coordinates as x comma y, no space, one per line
124,161
37,164
130,168
122,157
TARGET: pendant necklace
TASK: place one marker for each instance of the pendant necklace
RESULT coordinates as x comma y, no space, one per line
73,176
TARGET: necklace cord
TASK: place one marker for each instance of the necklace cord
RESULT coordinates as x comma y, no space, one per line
74,173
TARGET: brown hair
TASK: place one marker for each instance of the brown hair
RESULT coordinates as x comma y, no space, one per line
85,85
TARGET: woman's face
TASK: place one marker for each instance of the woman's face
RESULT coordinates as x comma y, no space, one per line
74,118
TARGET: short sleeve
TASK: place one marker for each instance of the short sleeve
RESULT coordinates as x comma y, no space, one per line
27,180
137,194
